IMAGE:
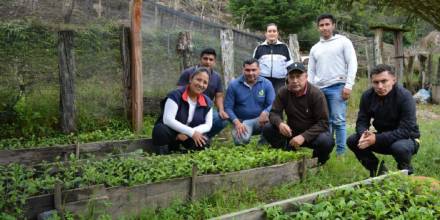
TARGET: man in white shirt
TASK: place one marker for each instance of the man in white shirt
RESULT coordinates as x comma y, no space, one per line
332,67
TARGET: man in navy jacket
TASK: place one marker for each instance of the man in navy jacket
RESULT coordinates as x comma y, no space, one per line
393,111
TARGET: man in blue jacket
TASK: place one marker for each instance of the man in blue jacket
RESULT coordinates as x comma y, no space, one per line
393,111
248,102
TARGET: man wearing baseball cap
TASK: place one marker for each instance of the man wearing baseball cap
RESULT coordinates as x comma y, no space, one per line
307,116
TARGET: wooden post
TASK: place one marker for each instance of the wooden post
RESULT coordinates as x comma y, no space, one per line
124,40
67,10
378,46
398,54
136,66
422,74
193,182
367,57
66,67
429,69
303,169
227,45
184,47
58,199
294,48
77,150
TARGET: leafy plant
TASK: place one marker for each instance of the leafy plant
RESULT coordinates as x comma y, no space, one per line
18,182
397,197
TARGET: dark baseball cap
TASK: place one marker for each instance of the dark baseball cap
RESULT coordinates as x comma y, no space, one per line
296,66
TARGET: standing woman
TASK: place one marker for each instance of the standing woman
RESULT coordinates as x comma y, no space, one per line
186,117
274,56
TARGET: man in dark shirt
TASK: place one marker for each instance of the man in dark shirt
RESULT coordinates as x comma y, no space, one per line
307,116
214,91
393,111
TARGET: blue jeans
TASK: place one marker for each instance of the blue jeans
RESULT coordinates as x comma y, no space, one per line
252,127
337,108
217,124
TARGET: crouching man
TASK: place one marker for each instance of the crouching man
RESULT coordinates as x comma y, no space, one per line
393,111
307,116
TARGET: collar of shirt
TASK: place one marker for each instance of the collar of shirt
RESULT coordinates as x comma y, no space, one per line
267,43
242,80
302,93
200,98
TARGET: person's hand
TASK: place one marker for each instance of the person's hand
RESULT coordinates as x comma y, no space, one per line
346,93
263,118
223,115
199,139
240,128
297,141
367,139
285,129
181,137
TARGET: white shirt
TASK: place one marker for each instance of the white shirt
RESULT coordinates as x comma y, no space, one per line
169,118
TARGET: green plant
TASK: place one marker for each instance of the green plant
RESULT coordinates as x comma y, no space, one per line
18,182
397,197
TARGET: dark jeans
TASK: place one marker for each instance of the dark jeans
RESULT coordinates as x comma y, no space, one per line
164,140
322,145
276,83
402,151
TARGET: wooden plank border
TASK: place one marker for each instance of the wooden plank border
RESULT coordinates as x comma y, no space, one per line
122,200
34,156
292,203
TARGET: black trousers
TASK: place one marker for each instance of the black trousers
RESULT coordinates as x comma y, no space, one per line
322,145
164,141
402,151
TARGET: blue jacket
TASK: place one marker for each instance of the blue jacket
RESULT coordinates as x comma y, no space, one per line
180,96
246,103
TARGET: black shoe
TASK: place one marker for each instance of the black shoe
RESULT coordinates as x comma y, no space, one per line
161,150
378,172
405,166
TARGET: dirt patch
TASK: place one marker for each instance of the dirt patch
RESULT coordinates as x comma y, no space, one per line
425,114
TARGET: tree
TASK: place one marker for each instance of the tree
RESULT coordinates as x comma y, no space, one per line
425,9
291,16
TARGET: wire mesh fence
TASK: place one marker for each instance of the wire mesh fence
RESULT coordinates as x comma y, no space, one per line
29,56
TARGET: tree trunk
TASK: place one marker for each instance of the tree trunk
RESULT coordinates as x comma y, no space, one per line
126,69
378,46
227,45
398,55
67,74
136,66
294,48
184,48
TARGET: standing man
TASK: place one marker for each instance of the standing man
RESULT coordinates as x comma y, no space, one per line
394,112
332,67
307,116
274,56
214,90
248,102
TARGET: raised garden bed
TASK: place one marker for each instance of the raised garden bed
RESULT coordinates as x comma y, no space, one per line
148,181
385,197
31,156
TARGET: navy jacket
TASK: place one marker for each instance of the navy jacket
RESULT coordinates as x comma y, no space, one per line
180,96
394,115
